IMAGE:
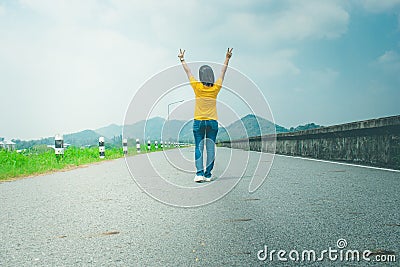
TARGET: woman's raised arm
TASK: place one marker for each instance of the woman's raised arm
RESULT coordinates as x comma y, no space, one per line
225,66
185,66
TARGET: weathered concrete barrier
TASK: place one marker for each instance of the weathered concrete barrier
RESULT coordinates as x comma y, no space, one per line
374,142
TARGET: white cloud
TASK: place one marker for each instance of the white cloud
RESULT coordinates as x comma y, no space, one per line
71,70
95,54
291,21
312,19
2,10
398,20
323,79
389,62
258,21
278,63
380,5
63,10
389,57
316,81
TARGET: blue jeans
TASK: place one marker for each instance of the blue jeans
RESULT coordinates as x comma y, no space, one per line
204,131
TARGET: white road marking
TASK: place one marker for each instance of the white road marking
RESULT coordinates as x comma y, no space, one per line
340,163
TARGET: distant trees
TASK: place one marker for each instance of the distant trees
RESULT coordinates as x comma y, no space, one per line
308,126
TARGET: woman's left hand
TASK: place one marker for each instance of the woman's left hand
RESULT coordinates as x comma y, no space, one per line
181,54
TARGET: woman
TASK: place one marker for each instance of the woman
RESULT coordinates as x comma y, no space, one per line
205,125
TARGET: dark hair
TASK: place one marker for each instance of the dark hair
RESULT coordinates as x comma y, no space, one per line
206,75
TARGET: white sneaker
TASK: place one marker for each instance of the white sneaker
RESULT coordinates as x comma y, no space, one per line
199,178
209,179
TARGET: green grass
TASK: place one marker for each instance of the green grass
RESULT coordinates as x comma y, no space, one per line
38,161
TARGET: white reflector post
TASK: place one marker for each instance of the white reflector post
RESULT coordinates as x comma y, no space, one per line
148,145
59,144
156,145
161,144
102,149
125,146
137,145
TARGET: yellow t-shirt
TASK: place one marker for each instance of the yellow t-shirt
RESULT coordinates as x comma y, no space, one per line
206,99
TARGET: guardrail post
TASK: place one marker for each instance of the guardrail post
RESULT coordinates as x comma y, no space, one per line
102,149
137,146
59,145
125,146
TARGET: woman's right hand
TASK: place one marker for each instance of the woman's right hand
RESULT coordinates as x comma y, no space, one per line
229,53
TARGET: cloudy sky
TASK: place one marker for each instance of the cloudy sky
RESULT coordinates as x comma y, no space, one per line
71,65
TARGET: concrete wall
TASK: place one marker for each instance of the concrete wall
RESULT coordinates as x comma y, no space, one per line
374,142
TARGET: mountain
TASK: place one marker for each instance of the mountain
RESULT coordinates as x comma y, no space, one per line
159,129
186,132
110,131
150,129
83,138
308,126
248,126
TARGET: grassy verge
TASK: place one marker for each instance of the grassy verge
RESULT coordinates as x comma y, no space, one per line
33,162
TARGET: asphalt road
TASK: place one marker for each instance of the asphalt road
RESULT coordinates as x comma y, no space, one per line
99,216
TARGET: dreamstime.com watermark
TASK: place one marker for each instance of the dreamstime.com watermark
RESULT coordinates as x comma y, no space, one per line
338,253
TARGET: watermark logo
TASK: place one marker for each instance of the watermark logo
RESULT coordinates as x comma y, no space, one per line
170,91
339,253
341,243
